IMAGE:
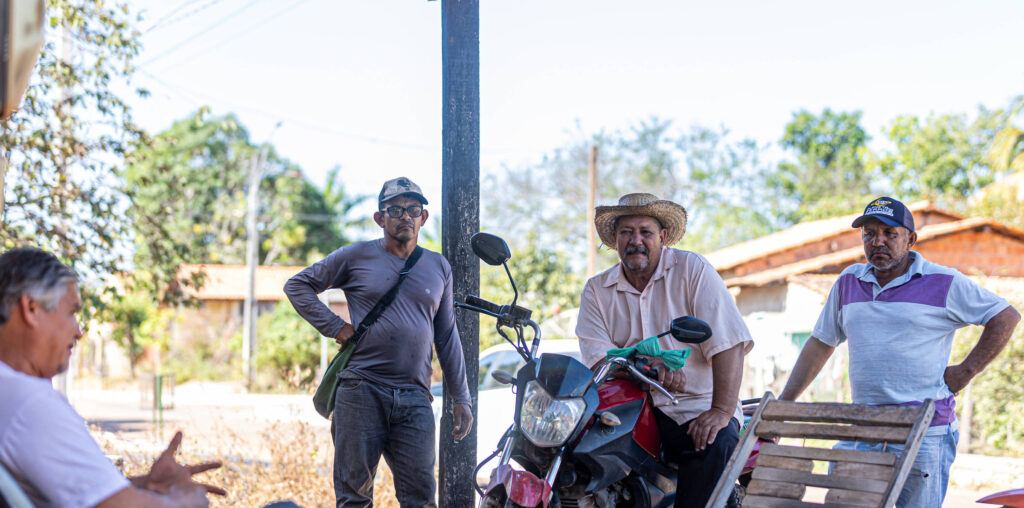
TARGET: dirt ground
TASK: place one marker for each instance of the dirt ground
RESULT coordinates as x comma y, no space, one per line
277,447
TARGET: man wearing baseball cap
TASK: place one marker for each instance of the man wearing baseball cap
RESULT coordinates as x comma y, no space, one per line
898,314
382,403
638,298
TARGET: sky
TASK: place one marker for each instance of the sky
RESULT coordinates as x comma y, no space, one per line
358,83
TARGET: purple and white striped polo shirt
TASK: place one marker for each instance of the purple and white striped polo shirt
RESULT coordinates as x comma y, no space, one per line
900,336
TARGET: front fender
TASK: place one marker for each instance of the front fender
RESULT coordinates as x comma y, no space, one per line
521,487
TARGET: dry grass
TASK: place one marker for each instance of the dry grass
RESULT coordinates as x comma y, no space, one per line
286,461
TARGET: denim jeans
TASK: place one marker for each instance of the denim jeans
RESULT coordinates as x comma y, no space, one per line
929,477
371,420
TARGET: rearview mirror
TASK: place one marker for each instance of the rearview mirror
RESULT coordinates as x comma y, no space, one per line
491,249
690,330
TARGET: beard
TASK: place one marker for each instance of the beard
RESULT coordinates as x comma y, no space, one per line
636,266
887,266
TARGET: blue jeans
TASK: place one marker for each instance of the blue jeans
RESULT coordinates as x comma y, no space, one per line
371,420
929,477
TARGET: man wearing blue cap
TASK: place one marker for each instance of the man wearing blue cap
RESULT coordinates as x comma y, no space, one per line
898,313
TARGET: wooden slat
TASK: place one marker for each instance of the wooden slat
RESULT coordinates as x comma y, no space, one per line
776,502
836,432
785,463
820,480
913,444
776,489
864,457
739,458
841,413
853,497
871,471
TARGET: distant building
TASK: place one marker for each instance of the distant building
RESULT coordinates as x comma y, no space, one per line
222,300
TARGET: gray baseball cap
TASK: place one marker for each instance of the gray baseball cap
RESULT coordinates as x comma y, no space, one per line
400,186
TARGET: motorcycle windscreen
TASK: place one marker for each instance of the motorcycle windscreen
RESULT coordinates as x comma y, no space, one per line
563,376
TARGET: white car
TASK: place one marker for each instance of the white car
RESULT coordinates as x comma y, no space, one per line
496,403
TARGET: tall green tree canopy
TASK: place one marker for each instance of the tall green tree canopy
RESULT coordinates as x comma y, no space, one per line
720,181
828,177
66,143
188,190
939,157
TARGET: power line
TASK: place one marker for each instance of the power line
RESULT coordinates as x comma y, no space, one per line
235,35
293,121
199,34
170,18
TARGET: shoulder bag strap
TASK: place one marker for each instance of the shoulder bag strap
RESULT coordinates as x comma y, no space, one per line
388,297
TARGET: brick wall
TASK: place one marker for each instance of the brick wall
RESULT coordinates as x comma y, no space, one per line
979,252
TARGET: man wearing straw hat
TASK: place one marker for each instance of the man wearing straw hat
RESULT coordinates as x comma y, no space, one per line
638,298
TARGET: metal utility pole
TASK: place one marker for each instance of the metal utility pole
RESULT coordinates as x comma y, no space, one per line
591,229
460,204
250,312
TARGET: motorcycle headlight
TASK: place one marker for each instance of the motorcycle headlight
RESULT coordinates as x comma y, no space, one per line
547,421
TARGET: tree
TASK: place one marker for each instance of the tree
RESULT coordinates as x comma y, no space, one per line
718,180
546,283
68,140
188,190
342,204
828,177
941,157
1007,150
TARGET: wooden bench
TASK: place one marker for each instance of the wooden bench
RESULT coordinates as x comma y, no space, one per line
856,478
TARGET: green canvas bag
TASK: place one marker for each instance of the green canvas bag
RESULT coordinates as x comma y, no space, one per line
323,399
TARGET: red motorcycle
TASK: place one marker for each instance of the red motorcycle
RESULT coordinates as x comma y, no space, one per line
582,438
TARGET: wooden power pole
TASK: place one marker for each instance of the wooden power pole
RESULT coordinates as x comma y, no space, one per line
460,205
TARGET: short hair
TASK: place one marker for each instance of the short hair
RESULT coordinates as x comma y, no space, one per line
615,225
32,272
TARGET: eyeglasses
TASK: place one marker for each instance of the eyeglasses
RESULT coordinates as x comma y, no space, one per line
396,212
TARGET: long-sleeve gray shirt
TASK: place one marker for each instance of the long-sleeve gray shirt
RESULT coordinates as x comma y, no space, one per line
397,349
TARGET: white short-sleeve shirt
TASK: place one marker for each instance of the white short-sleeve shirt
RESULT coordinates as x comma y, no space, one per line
900,336
46,447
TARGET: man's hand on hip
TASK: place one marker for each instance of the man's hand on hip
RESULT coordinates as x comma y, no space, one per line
956,377
463,414
344,334
705,427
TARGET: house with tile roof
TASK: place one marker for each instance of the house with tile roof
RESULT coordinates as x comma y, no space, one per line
221,299
780,281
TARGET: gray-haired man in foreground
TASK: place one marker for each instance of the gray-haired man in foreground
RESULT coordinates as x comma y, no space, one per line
44,443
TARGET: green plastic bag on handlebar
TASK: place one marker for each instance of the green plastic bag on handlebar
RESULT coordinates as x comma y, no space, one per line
674,358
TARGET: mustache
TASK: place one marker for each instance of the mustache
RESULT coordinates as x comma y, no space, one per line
636,249
881,250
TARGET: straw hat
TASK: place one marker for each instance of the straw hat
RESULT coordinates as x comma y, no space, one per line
671,216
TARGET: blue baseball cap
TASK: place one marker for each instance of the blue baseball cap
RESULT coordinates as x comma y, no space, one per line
887,210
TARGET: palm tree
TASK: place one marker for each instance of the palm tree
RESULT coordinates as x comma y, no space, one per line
1007,150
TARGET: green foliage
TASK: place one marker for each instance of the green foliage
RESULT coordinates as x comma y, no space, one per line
997,393
721,182
941,157
1007,149
137,324
342,204
67,140
546,285
189,189
829,176
289,346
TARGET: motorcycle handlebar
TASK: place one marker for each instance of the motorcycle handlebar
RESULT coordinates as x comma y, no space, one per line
478,302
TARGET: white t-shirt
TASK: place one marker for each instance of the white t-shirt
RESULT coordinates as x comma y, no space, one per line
47,448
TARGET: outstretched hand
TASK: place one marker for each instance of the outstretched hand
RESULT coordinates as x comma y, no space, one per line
167,474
